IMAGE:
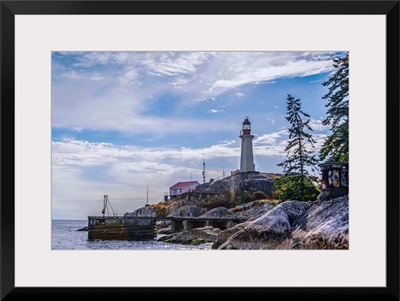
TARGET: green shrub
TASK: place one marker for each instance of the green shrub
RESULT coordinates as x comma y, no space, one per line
198,241
260,195
230,195
215,202
245,198
293,188
161,212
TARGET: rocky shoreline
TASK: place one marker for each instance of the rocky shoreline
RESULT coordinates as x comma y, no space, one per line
269,224
289,225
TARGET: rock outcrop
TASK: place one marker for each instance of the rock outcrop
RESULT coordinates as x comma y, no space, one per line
187,210
289,225
218,212
143,212
246,181
296,225
194,236
251,210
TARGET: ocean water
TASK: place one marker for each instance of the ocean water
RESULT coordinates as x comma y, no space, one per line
65,236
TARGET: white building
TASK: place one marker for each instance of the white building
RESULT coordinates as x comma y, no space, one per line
246,155
182,187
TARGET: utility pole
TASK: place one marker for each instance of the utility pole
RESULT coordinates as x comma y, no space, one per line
147,197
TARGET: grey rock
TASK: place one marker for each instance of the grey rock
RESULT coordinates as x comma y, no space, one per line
268,206
239,182
251,210
296,225
142,212
166,230
205,234
279,220
217,212
187,210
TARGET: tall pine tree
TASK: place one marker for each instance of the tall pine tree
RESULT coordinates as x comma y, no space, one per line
299,156
336,146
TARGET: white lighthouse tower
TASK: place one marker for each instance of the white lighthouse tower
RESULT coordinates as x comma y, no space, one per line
246,155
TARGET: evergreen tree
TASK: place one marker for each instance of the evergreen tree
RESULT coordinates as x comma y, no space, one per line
336,146
298,155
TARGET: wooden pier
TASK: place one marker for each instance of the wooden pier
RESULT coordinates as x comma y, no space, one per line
144,228
121,228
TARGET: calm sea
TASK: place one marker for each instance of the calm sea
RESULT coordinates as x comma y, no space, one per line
65,236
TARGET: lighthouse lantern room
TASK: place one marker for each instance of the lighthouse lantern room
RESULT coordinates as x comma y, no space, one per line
246,156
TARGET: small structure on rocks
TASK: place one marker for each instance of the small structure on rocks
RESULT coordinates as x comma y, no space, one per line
335,180
182,187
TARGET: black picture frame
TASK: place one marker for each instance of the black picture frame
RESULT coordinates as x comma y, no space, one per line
9,9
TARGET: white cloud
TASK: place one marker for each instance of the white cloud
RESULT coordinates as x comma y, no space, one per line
274,144
90,59
86,171
97,76
109,90
319,140
69,152
271,120
272,138
265,72
315,81
172,64
71,75
129,76
181,82
207,99
317,125
214,111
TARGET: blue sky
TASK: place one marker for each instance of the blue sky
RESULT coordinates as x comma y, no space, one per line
122,121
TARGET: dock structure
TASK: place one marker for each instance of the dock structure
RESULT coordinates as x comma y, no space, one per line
185,223
144,228
121,228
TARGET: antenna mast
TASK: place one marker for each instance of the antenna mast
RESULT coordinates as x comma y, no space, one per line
204,171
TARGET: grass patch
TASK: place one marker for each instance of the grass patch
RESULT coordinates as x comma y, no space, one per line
198,241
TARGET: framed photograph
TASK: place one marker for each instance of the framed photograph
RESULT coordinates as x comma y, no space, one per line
241,149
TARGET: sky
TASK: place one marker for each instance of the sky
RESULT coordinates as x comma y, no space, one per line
124,123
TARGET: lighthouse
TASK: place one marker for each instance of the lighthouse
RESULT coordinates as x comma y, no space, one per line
246,154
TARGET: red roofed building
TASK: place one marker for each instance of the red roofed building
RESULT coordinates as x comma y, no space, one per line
182,187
